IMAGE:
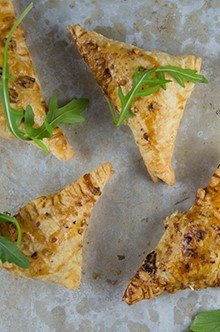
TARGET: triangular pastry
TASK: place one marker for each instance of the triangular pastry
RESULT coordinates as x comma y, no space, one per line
25,88
188,254
53,228
157,117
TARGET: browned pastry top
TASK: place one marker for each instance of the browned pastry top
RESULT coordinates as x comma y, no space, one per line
188,254
158,116
25,87
53,228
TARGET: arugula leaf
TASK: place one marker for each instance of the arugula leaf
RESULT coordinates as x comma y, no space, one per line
206,321
140,80
6,217
41,145
36,133
145,83
9,251
161,75
181,74
70,113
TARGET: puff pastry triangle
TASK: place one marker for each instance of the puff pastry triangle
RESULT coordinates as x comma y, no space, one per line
53,228
158,116
25,87
188,254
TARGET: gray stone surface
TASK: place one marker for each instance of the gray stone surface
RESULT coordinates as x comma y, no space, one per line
128,219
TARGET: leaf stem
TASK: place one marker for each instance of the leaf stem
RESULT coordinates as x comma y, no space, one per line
169,69
19,232
17,23
131,97
112,110
5,75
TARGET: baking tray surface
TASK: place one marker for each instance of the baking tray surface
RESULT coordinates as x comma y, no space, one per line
127,221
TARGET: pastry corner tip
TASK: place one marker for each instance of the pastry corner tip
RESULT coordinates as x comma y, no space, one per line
75,30
108,167
198,63
131,295
59,146
126,298
168,178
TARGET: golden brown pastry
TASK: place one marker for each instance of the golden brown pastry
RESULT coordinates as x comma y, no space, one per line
158,116
53,228
188,254
25,88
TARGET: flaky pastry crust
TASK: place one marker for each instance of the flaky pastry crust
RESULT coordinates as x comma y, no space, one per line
25,87
53,228
188,254
157,117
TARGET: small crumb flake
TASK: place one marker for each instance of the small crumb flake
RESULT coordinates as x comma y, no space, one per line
121,257
96,276
112,282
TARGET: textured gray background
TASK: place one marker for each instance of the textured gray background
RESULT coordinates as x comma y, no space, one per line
127,220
